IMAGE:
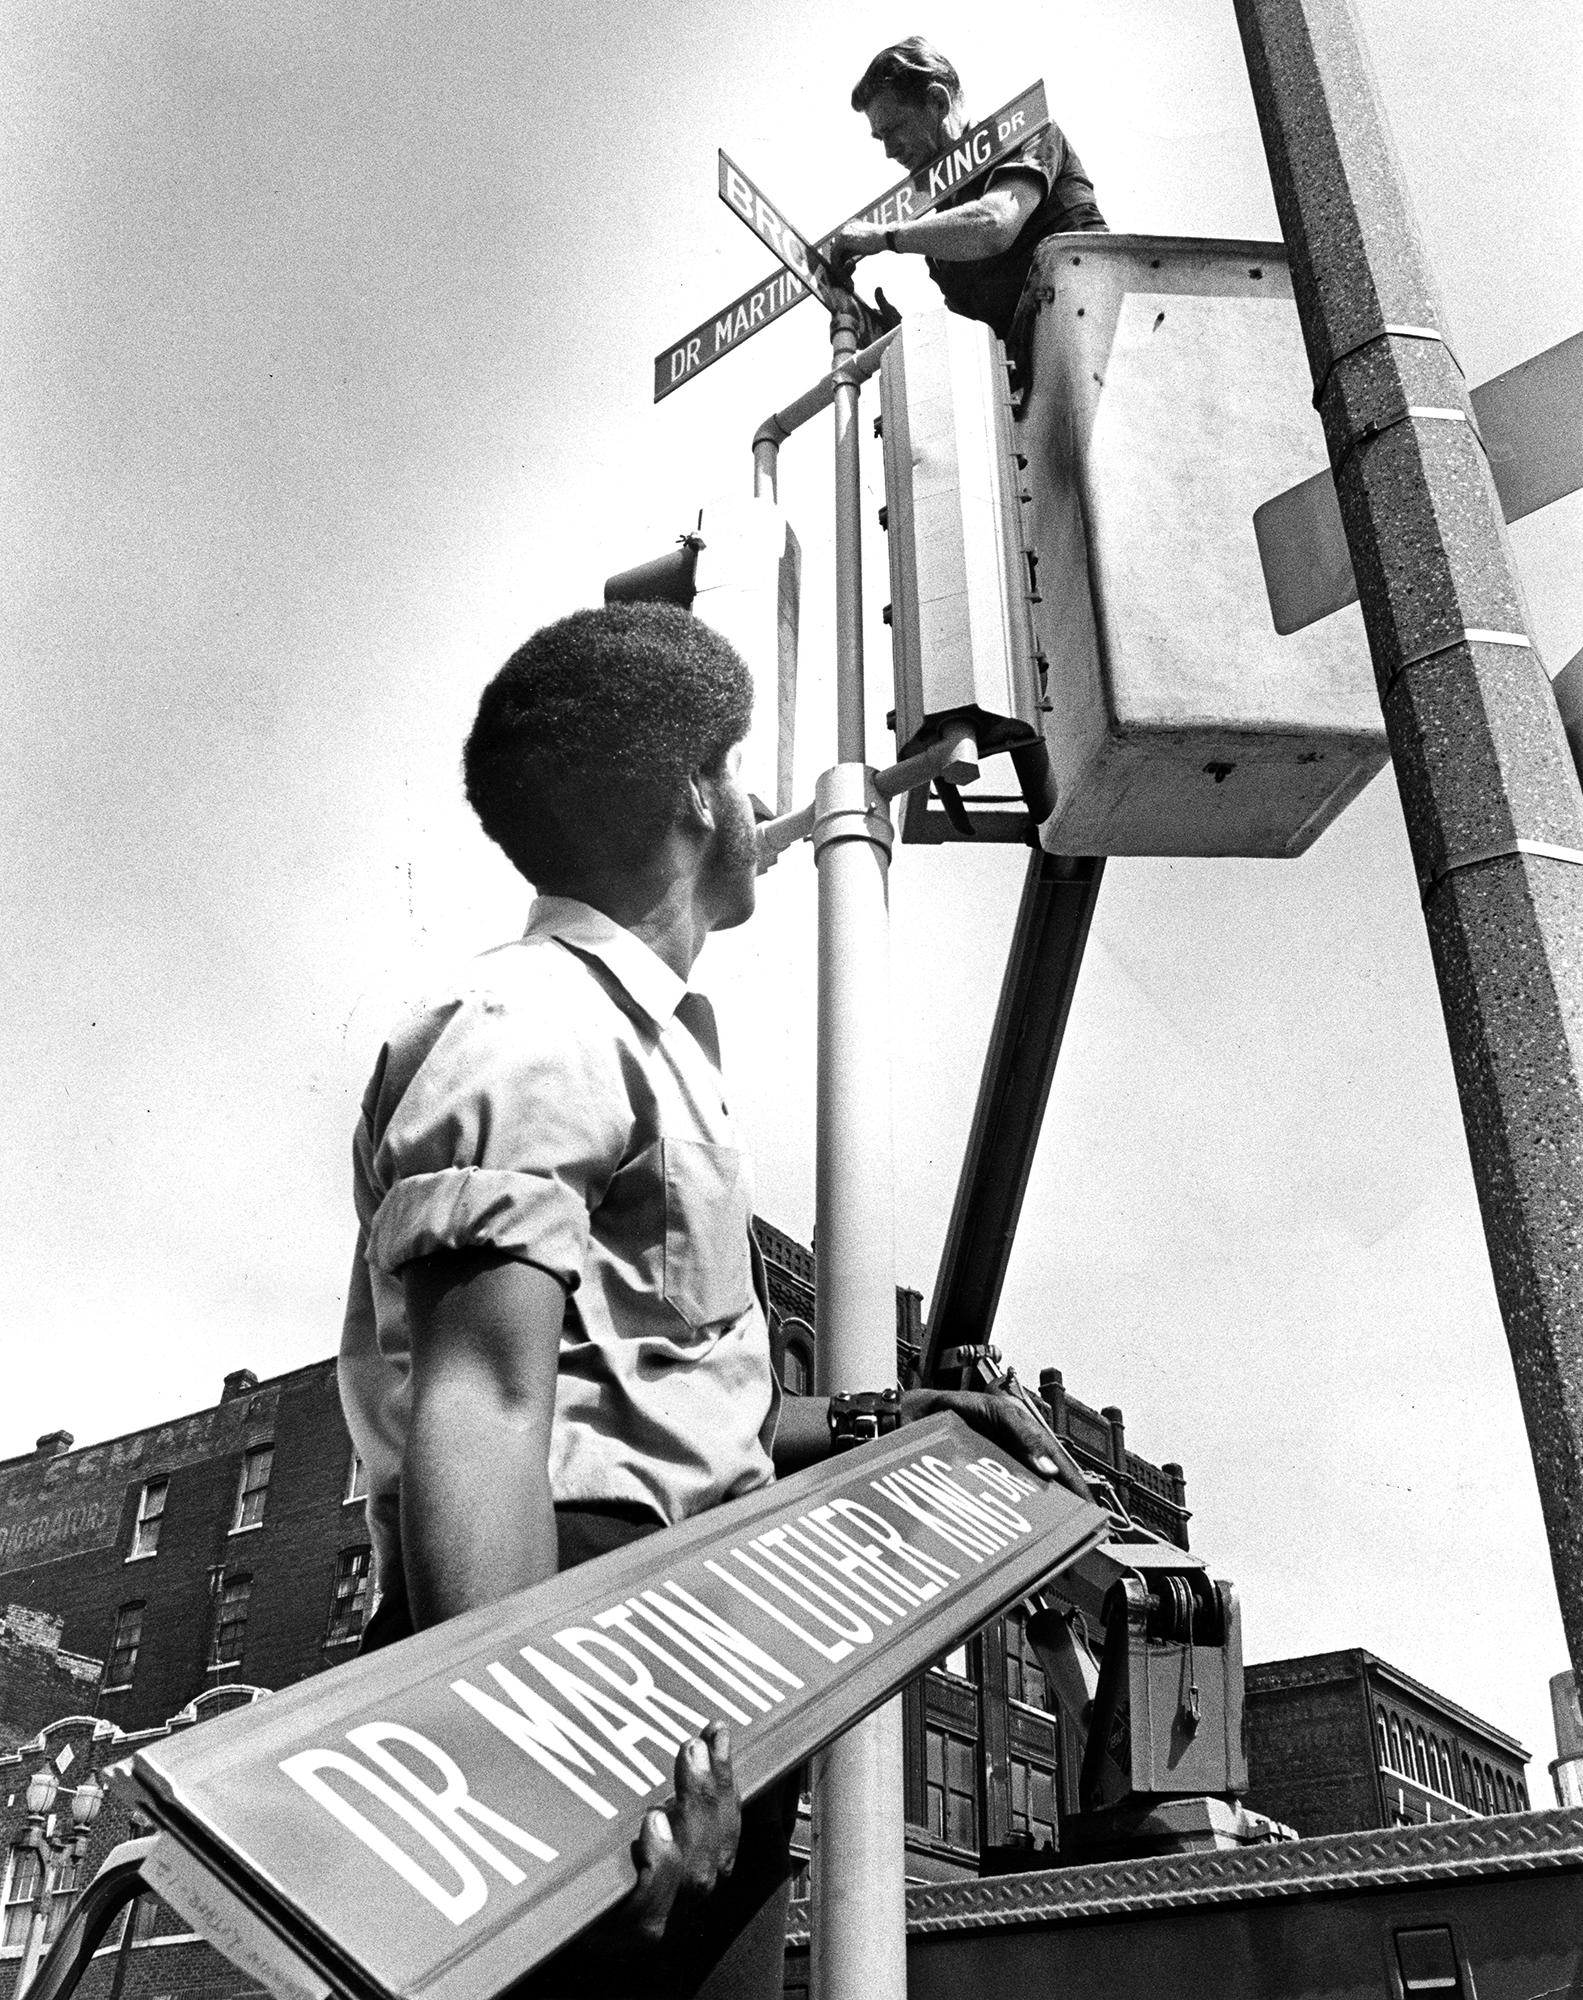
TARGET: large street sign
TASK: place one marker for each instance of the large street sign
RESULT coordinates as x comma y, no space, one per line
429,1823
1007,129
1530,421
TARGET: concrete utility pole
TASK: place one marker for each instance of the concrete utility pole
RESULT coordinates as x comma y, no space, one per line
1491,797
859,1838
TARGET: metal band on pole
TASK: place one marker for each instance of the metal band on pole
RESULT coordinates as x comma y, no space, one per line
859,1929
1479,751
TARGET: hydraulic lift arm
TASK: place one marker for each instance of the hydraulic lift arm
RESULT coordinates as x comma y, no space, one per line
1141,1647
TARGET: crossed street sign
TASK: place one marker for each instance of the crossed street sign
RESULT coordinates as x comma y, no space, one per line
1003,132
1528,419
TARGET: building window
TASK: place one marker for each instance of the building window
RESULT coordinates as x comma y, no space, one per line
150,1513
1024,1675
356,1482
951,1789
1420,1759
1522,1795
797,1340
252,1487
1384,1736
349,1600
124,1642
1033,1801
230,1620
21,1893
62,1891
1434,1765
1396,1748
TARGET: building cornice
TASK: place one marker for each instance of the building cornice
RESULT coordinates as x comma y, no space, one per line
1414,1857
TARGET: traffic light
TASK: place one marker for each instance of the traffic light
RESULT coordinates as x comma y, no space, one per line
740,571
961,582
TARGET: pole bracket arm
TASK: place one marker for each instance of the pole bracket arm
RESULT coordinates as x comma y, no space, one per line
954,757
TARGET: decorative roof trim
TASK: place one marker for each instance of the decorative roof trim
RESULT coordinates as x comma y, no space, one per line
1382,1858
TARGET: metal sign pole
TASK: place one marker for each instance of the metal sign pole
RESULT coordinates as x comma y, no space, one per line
859,1941
1491,798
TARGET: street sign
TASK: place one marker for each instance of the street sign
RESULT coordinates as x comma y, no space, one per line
992,139
801,258
431,1822
1529,420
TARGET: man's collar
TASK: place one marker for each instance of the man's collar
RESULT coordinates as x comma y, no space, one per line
646,977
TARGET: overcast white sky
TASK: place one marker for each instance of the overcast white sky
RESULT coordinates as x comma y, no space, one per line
327,349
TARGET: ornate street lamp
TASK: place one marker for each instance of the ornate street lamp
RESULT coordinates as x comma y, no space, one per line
43,1789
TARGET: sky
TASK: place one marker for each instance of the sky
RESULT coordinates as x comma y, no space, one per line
328,343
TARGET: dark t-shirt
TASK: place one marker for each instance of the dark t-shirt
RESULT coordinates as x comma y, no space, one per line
989,288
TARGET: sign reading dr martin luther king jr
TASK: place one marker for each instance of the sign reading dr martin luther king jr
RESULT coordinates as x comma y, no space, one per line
994,138
436,1819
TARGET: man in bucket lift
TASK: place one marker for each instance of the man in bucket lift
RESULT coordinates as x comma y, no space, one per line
980,242
555,1333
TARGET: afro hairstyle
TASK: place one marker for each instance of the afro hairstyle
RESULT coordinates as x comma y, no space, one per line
583,742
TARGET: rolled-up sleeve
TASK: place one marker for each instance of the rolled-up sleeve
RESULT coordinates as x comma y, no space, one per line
493,1127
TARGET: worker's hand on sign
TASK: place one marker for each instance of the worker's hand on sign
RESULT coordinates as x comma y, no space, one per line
692,1845
875,319
1004,1421
855,240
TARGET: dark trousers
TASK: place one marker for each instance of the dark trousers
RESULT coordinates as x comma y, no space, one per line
728,1946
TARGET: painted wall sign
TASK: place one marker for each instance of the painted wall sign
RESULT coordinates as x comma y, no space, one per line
71,1504
1012,126
438,1818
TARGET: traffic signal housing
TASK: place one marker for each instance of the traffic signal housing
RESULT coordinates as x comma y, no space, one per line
962,632
740,571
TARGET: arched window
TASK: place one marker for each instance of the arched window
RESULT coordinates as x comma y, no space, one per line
797,1357
1448,1768
1421,1759
1396,1747
1434,1765
1469,1794
1382,1733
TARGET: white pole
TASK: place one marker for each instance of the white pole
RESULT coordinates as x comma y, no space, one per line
859,1931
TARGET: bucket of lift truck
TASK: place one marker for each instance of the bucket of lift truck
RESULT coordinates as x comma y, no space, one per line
1168,399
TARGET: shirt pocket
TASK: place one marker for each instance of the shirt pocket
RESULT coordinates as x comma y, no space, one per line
708,1275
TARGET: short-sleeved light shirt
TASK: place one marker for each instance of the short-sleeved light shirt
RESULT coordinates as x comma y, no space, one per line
563,1104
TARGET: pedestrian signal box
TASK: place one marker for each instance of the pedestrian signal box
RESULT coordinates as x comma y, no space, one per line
962,632
740,571
1167,400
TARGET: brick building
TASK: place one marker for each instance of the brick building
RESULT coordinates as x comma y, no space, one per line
1342,1741
163,1577
147,1584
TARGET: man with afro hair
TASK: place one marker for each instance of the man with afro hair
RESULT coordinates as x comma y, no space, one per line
556,1338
